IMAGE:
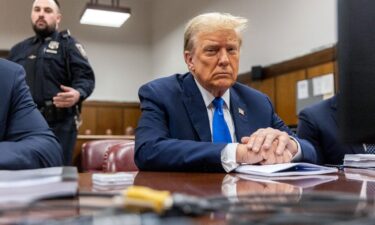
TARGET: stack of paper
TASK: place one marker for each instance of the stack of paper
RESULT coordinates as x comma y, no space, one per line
360,174
25,186
112,182
359,160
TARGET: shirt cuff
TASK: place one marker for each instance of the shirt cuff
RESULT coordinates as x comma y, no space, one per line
228,157
298,156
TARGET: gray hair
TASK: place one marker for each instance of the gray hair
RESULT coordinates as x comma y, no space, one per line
210,22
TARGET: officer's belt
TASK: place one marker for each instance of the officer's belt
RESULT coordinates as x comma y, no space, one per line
53,114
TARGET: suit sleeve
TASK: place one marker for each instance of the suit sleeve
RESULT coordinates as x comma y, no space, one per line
28,142
308,130
83,78
155,148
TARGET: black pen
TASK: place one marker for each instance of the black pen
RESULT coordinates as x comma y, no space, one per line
338,166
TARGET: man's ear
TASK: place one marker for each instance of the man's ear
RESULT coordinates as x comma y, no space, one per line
189,60
58,20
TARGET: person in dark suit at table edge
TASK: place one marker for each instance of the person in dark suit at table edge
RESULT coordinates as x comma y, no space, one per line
26,142
319,125
204,120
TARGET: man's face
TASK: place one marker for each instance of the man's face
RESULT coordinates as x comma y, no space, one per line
45,17
214,60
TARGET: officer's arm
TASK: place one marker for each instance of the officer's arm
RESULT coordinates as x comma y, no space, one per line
82,74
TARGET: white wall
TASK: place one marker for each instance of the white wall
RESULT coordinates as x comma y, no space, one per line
150,43
120,57
278,29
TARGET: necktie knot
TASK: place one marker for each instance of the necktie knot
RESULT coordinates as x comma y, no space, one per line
218,103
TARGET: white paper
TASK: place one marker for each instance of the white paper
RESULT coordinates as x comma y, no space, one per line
302,89
317,86
327,84
23,186
359,160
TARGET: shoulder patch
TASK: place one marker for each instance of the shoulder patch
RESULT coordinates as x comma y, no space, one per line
81,50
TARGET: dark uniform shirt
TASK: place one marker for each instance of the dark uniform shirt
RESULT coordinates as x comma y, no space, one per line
47,62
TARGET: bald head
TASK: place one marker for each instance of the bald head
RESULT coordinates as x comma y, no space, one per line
45,17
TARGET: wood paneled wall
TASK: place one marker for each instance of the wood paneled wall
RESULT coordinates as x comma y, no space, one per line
100,116
280,79
4,53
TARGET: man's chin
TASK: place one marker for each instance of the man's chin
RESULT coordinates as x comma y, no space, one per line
42,31
222,86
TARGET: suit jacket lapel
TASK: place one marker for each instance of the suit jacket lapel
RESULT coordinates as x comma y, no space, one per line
239,115
196,108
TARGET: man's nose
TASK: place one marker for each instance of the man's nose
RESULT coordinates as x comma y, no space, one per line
223,57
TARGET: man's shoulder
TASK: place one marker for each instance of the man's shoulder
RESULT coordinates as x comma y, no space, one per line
169,81
321,106
7,66
10,72
24,43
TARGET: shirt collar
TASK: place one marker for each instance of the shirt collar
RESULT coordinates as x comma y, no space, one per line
49,38
208,97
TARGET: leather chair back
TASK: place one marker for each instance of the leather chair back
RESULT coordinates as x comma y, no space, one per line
120,157
93,154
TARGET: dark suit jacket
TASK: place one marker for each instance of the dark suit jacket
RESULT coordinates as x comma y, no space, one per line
25,139
319,125
174,132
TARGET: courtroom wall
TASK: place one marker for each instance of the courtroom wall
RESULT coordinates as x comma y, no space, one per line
278,30
149,45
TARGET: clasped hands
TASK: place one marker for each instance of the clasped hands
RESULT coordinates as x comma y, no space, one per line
266,146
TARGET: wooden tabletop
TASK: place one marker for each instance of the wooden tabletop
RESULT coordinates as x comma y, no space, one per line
212,184
290,193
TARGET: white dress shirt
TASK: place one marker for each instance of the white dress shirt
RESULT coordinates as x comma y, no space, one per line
228,154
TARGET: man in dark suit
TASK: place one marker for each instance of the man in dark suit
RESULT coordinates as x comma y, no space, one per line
26,142
319,125
204,120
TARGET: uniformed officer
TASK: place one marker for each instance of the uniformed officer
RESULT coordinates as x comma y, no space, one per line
58,72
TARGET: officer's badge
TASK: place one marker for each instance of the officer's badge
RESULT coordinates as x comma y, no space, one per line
54,45
81,50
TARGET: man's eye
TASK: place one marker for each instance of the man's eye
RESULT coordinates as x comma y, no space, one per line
210,50
232,50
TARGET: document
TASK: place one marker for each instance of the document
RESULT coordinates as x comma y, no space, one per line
360,174
359,160
112,182
285,169
25,186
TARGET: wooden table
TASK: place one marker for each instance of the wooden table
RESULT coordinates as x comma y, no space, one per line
208,185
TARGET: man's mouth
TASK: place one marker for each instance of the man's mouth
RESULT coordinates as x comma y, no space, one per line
41,22
222,73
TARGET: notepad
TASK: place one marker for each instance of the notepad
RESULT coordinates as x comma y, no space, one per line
285,169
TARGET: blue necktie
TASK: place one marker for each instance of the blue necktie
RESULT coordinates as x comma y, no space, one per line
220,131
370,148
